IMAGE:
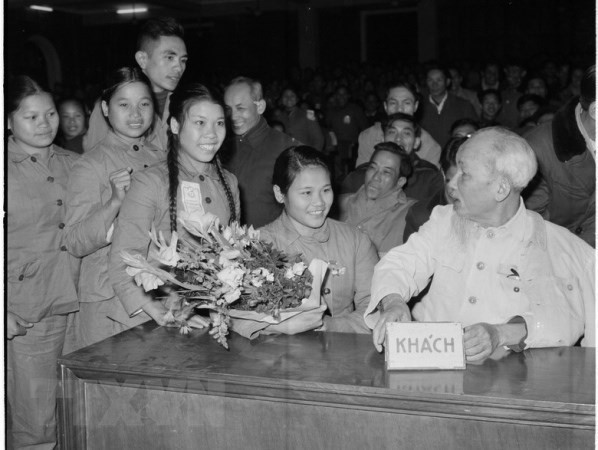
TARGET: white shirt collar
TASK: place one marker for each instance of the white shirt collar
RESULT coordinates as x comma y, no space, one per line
441,104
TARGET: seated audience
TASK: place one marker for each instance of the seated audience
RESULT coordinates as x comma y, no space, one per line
491,102
346,120
379,207
464,128
514,75
442,108
566,152
302,184
509,277
299,123
403,98
425,180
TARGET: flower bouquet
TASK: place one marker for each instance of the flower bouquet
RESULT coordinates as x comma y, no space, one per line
246,283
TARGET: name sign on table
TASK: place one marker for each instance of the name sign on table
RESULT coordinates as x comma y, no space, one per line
424,345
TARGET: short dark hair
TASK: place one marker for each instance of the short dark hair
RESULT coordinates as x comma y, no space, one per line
292,161
154,29
402,84
406,165
486,92
464,121
405,118
588,88
530,98
441,69
448,157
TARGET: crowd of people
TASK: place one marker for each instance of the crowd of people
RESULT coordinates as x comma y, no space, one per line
487,190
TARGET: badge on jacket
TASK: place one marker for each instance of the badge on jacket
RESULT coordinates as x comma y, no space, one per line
311,114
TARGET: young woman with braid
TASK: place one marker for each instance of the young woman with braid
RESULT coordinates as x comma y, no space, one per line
190,180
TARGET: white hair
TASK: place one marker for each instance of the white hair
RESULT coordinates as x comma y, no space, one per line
513,156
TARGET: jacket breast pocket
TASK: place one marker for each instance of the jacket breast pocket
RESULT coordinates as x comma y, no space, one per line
24,272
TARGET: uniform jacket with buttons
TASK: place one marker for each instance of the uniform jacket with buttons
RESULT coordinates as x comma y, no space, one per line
252,162
147,204
41,275
528,267
87,234
383,219
351,257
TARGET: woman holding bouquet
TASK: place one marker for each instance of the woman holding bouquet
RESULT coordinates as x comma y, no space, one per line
41,276
190,183
96,189
302,184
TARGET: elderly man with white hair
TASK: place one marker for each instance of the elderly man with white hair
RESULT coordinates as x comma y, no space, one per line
509,277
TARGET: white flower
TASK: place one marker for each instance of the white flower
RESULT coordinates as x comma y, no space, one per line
299,268
231,276
257,282
232,296
149,281
289,273
227,234
166,254
227,256
198,223
253,233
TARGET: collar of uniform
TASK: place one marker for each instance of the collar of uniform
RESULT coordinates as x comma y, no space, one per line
210,171
291,234
395,196
115,141
16,154
256,134
517,225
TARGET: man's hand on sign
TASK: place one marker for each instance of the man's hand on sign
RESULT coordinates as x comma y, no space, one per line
394,309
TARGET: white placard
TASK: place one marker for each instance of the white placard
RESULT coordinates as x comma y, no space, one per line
424,345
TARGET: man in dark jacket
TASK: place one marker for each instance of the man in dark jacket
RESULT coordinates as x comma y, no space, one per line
254,149
566,150
441,109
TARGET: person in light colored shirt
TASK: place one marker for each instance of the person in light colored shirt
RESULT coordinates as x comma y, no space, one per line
509,277
380,206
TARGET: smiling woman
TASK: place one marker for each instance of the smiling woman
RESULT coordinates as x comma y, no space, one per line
40,274
97,186
302,183
189,183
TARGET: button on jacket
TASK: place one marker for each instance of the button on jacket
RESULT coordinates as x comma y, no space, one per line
41,278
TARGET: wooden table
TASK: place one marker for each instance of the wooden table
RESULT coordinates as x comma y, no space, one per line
152,388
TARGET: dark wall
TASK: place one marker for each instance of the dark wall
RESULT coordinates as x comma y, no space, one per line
529,30
266,45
